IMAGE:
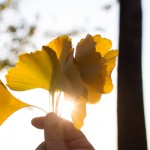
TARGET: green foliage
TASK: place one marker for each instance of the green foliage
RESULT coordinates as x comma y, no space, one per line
4,5
4,63
18,34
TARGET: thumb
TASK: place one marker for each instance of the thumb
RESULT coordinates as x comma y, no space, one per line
53,131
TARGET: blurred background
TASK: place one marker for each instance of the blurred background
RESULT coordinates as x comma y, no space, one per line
26,25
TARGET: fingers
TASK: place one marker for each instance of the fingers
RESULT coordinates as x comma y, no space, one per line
60,133
71,133
38,122
52,127
74,138
42,146
53,130
63,130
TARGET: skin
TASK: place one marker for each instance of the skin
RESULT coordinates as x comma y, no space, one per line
60,134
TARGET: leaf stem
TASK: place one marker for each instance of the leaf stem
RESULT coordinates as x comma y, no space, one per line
61,109
53,101
49,103
57,102
39,108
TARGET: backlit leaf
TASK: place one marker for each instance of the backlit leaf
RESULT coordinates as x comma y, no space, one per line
96,62
107,66
94,94
72,73
89,62
40,69
79,112
103,45
62,46
59,81
33,70
8,103
88,59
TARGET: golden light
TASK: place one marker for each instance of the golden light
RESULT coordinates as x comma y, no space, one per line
62,105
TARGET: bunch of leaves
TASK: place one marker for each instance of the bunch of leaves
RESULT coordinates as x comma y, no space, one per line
83,74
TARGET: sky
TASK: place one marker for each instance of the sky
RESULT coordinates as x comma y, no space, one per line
86,16
145,65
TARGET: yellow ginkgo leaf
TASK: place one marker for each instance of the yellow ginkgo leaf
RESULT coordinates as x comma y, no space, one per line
103,45
72,73
78,113
8,103
88,59
62,46
33,70
89,62
94,94
85,46
96,62
110,55
107,66
40,69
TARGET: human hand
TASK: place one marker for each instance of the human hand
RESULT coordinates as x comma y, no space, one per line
60,134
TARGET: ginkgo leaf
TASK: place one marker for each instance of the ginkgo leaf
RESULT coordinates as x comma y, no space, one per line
94,94
96,62
85,46
89,62
40,69
62,46
33,70
103,45
78,113
111,54
72,73
88,59
107,66
8,103
59,81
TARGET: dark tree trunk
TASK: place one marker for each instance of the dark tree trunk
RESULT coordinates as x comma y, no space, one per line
131,123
